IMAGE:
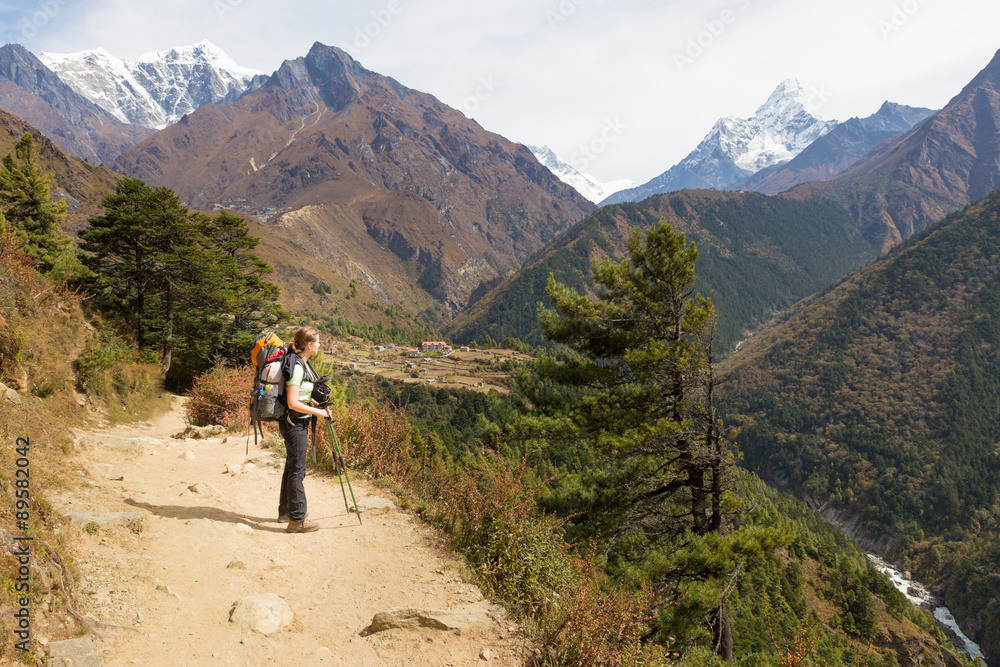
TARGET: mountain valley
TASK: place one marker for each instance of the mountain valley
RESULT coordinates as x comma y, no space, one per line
852,266
875,401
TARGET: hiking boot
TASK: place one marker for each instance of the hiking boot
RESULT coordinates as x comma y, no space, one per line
301,527
283,518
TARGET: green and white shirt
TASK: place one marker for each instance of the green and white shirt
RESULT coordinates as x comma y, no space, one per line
305,381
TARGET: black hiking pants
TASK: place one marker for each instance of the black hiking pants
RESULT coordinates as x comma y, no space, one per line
292,500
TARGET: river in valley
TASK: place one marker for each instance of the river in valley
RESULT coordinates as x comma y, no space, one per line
918,594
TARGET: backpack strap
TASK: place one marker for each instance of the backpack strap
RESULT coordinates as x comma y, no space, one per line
312,425
288,365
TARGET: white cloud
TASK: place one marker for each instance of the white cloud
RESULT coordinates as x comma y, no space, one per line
556,72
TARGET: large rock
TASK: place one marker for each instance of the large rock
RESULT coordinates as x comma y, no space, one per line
435,619
125,445
131,520
376,504
200,432
265,613
78,652
10,394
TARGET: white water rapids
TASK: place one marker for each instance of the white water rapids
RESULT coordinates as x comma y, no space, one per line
918,594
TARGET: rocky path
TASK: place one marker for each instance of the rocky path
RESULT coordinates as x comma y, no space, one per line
170,534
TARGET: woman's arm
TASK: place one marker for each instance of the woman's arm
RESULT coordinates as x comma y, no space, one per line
292,390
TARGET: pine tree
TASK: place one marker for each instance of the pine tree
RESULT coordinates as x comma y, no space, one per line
644,354
183,282
124,250
635,391
251,301
27,203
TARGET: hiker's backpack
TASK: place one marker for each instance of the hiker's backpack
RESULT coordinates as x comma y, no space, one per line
273,363
267,395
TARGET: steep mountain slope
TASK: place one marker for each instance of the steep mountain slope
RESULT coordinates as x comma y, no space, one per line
585,184
878,401
942,164
158,88
836,151
31,91
736,148
454,206
82,184
757,255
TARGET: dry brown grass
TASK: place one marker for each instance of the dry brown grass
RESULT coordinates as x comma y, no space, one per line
43,331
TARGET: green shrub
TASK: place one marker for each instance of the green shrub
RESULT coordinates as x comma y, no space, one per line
90,366
489,509
113,372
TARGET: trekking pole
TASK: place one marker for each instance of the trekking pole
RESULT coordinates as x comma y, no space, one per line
339,461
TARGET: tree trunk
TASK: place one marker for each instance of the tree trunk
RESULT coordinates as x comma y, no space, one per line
696,485
168,332
718,457
140,328
723,634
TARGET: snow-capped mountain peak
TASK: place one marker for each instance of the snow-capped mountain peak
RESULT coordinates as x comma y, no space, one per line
201,52
585,184
779,130
160,87
789,95
736,148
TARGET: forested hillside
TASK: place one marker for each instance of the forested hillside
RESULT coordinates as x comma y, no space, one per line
756,256
880,400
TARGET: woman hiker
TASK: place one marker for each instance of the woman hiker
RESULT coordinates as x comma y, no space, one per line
295,429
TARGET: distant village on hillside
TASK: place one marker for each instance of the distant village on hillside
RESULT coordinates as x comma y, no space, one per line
433,362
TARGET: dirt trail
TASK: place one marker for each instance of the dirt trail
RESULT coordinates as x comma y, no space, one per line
210,537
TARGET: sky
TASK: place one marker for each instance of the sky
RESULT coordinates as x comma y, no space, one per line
619,89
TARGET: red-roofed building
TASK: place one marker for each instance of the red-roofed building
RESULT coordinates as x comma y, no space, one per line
435,346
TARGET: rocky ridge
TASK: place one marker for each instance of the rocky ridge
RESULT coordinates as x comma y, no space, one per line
330,153
944,163
839,149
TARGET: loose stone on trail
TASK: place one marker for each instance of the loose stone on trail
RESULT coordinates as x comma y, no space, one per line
265,613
